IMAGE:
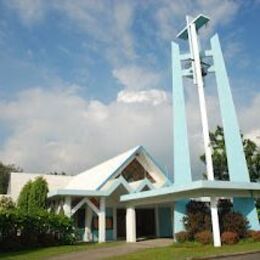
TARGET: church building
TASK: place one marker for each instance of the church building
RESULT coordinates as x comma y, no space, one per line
92,198
130,197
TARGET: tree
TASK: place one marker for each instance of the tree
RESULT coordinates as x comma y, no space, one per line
219,157
23,199
38,195
5,171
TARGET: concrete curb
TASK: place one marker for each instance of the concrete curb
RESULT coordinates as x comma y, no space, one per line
224,255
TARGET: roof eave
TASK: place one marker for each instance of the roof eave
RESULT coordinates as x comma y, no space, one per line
196,189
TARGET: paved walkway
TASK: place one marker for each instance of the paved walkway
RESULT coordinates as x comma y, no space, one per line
101,253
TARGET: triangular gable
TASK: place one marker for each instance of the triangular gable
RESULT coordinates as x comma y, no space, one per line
155,173
96,177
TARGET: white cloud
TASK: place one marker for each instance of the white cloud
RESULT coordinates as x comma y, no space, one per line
136,78
108,23
59,130
249,119
171,14
153,96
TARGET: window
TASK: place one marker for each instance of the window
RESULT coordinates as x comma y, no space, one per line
135,172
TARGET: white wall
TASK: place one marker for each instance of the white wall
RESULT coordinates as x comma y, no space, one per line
19,179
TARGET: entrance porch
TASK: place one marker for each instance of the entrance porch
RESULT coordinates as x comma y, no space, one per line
146,222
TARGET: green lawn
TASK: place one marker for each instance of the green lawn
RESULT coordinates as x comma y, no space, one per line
43,253
188,250
176,251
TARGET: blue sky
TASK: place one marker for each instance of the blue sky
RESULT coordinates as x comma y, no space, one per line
83,80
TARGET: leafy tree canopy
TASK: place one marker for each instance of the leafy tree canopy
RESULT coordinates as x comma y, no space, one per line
33,196
252,154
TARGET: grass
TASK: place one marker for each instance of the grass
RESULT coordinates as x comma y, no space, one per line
188,250
43,253
176,251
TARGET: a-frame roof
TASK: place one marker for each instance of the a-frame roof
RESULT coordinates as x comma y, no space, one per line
96,177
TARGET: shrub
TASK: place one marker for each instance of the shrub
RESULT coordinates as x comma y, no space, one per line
229,238
182,236
250,233
234,222
256,235
204,237
198,218
224,207
19,230
6,203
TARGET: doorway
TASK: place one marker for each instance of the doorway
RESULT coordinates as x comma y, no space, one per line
145,223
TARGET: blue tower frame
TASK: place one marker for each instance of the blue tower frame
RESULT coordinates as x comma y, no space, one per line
237,166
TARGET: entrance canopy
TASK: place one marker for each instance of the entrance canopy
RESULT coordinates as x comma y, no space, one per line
194,189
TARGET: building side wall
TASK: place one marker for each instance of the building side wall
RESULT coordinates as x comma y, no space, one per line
19,179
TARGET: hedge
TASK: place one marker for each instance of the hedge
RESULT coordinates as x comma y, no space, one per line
20,230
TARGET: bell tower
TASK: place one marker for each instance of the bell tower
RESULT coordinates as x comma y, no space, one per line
197,70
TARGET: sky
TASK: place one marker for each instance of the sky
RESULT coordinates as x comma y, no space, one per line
82,80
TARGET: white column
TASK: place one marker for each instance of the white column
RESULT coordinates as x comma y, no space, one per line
198,79
114,223
130,225
215,221
102,221
157,224
67,206
88,220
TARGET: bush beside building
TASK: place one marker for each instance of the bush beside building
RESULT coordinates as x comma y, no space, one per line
30,224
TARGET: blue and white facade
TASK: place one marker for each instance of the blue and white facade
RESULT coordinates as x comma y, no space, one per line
93,198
